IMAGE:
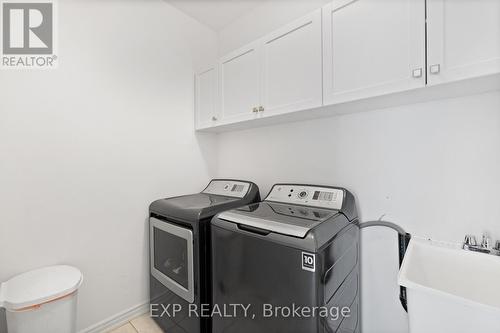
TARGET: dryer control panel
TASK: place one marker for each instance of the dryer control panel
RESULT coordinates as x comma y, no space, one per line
307,195
230,188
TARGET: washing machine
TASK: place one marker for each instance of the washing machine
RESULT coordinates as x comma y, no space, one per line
179,229
290,263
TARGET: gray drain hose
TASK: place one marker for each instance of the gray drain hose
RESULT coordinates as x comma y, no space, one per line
403,240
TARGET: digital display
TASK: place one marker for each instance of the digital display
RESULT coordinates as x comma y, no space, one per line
237,188
324,196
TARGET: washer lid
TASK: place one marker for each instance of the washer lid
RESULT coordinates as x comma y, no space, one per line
39,286
290,220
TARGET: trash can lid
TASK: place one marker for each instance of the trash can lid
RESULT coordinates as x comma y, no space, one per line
39,286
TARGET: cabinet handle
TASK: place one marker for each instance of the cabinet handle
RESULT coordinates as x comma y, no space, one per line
261,108
417,72
214,118
435,69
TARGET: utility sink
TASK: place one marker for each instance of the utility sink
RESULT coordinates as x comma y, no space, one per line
450,289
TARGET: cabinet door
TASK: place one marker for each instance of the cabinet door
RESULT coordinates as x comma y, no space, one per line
463,39
372,47
292,66
206,98
240,83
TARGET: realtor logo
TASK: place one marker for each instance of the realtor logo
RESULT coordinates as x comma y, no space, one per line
28,35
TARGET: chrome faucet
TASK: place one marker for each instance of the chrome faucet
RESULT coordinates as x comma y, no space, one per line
485,243
470,244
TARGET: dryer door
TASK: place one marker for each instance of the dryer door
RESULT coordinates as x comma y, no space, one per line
171,249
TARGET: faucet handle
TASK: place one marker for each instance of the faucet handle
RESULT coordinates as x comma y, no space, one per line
470,240
485,243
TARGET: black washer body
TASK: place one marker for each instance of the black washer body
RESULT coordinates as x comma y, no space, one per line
259,265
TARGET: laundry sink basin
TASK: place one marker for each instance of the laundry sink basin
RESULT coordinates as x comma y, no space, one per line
450,289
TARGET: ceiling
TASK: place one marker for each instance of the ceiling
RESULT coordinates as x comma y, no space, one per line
216,14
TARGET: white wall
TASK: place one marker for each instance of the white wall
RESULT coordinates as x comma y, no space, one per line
432,168
85,148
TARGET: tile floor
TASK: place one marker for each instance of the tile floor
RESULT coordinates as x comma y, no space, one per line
142,324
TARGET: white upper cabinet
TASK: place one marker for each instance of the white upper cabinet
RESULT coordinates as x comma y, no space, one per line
240,83
351,50
206,113
463,39
372,47
292,66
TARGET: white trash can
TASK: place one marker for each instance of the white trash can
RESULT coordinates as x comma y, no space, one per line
42,301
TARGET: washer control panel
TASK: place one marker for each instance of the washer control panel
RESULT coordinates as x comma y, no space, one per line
228,188
307,195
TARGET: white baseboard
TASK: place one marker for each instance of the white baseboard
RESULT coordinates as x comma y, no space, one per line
118,319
